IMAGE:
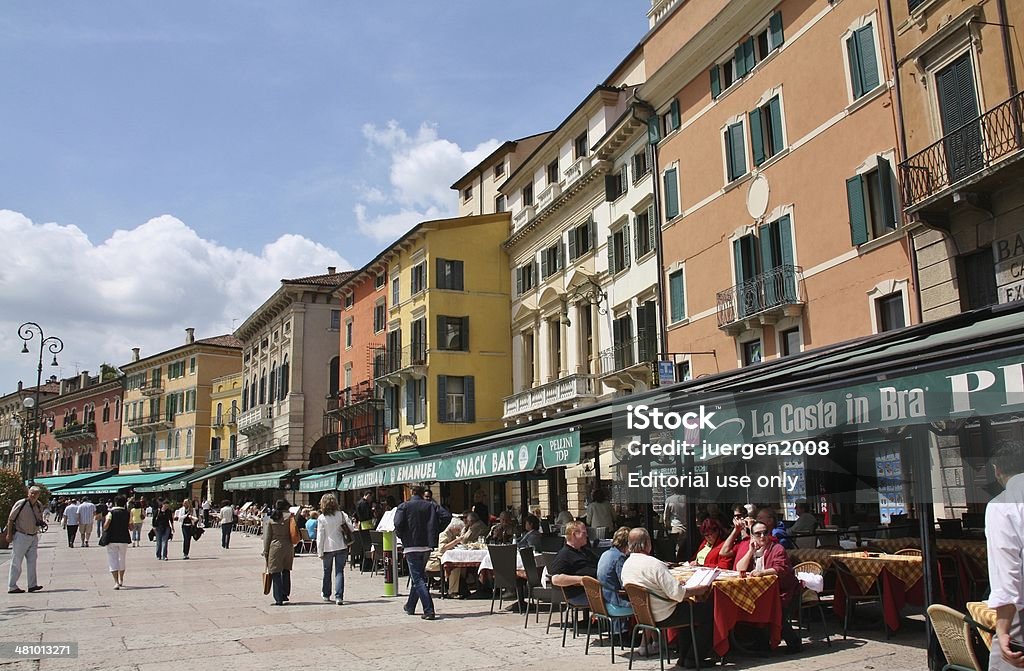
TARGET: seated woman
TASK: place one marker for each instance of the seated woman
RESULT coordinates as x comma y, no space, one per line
738,540
609,572
766,556
531,537
709,553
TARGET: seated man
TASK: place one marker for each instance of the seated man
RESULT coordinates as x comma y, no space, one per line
765,556
447,539
806,522
504,531
530,539
670,605
575,559
475,530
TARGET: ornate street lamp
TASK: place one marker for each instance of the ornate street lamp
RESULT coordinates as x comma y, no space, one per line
54,345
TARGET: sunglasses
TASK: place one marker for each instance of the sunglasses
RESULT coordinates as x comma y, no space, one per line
761,533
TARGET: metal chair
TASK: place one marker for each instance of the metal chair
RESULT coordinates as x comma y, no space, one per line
599,611
306,544
567,608
954,637
977,577
503,562
535,590
808,598
640,599
377,552
854,594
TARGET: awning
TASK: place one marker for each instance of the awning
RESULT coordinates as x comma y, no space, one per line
323,479
509,458
258,481
116,483
56,482
210,472
357,452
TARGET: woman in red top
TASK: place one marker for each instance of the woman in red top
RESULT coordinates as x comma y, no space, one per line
709,552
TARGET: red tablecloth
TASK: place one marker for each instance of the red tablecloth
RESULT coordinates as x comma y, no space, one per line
767,611
895,595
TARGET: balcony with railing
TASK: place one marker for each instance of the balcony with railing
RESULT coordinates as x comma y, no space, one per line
73,432
523,216
579,168
762,300
353,401
548,195
229,418
393,365
629,364
152,388
966,157
150,423
149,462
255,421
566,392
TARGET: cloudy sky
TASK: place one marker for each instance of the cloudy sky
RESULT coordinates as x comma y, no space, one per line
166,164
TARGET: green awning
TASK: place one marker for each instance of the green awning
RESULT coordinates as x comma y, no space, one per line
56,482
209,472
323,479
258,481
509,458
357,452
116,483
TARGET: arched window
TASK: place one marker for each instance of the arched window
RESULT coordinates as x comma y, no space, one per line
234,413
263,387
334,377
273,382
117,409
103,459
106,411
177,444
245,397
252,393
220,413
283,387
114,457
233,441
188,443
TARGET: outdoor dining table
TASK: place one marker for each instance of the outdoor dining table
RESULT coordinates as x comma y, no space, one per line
735,599
901,580
822,556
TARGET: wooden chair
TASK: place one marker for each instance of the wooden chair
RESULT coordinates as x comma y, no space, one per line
949,578
306,544
953,633
599,611
854,594
808,598
640,599
977,577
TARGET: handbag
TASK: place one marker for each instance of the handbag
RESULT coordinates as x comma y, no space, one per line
197,533
104,538
266,583
346,532
152,535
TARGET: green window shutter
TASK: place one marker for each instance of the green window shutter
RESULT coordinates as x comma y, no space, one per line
741,61
858,214
868,59
855,79
737,257
441,284
764,237
572,244
737,151
519,280
674,109
653,131
465,334
775,26
442,398
775,117
625,246
652,227
785,228
716,82
460,282
671,194
748,54
885,183
442,322
410,402
469,389
611,255
756,136
675,290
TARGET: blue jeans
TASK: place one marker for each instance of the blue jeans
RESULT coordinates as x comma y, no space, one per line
136,532
225,533
417,562
282,584
163,536
338,559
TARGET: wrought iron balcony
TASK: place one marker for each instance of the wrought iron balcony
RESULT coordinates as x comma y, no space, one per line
75,432
152,388
149,462
627,355
230,418
762,299
150,423
391,365
968,151
565,392
256,420
355,400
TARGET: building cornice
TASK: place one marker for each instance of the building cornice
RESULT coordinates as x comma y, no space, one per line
579,186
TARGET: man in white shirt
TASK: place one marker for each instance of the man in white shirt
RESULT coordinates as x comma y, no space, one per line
669,598
227,523
806,522
1004,521
71,521
86,513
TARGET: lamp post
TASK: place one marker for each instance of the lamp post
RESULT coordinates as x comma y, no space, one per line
27,332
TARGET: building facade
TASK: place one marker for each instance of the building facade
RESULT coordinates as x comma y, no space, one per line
478,189
288,346
225,409
81,428
166,407
17,422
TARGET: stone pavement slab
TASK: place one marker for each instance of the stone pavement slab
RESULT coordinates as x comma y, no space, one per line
209,612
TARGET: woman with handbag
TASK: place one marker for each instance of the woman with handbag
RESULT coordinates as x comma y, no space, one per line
117,538
279,551
163,523
186,517
333,536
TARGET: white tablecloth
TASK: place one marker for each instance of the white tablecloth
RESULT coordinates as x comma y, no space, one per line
459,555
485,563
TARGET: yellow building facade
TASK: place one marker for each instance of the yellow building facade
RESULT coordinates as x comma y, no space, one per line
225,406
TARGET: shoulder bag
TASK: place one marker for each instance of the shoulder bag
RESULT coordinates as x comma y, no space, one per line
346,530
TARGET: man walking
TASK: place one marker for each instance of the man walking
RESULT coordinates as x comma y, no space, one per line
1004,518
86,513
23,527
227,523
419,524
71,521
364,511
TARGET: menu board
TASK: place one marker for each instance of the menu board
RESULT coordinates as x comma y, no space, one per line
889,470
793,470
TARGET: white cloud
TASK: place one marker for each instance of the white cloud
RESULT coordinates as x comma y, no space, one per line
421,169
138,288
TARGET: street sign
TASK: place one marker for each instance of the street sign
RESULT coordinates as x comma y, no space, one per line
666,372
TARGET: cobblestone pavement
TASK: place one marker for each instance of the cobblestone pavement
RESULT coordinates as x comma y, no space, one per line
210,612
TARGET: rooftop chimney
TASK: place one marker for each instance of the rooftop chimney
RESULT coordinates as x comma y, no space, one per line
135,354
190,335
331,270
83,380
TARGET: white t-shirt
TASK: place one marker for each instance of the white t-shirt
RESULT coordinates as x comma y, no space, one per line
86,512
652,574
227,515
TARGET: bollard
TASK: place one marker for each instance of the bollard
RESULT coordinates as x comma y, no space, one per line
390,572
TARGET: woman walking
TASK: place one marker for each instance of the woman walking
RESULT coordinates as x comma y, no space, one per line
278,551
186,516
163,522
331,546
135,517
118,539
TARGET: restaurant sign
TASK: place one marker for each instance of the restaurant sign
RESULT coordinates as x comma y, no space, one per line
556,450
982,389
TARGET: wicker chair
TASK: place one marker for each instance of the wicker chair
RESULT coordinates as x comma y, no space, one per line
640,599
953,633
910,552
810,599
599,611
